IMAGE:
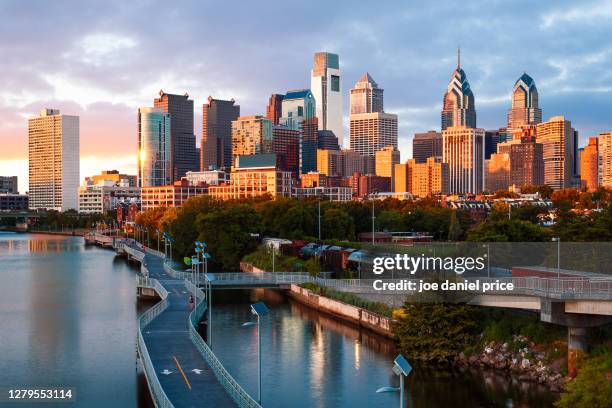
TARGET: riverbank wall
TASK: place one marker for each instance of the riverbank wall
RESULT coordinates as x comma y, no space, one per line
352,314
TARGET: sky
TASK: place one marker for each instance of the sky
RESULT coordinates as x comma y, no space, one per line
101,60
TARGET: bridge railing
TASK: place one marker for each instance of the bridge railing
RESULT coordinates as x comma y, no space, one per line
160,398
233,388
564,288
233,278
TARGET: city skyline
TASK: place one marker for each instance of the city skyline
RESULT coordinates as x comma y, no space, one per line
108,68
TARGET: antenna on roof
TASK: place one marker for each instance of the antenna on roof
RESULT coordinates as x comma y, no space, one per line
459,57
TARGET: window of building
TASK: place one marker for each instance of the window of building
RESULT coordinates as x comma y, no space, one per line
335,83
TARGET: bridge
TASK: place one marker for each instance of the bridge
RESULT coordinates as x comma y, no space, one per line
180,368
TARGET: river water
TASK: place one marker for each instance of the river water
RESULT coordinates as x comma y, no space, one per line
68,317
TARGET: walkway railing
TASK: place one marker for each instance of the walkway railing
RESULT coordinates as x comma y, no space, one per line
160,398
238,278
238,394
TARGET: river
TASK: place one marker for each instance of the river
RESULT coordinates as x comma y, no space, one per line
68,316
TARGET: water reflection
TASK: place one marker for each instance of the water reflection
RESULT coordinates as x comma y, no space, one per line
314,360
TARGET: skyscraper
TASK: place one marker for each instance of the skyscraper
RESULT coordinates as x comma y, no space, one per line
458,107
274,110
524,110
557,137
326,86
327,140
497,172
386,159
53,160
604,144
183,145
589,166
366,96
425,145
428,178
370,132
286,146
298,112
154,148
217,117
464,152
251,135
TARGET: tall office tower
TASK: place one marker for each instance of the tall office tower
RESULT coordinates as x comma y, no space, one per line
429,178
589,166
326,86
491,141
8,184
274,110
251,135
524,110
458,107
403,176
341,163
298,112
53,159
576,155
217,117
154,148
386,159
327,140
183,143
464,152
526,162
497,172
604,146
426,145
370,132
286,145
366,96
557,138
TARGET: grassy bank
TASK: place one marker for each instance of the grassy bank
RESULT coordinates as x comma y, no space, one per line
375,307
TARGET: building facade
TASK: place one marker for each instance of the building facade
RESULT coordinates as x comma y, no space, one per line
327,140
464,153
497,172
340,194
251,135
525,108
557,137
589,166
604,145
216,147
526,162
274,110
403,177
53,161
154,148
208,177
426,145
8,184
254,178
169,196
326,86
183,156
115,177
343,163
286,146
386,159
366,96
429,178
370,132
100,198
458,105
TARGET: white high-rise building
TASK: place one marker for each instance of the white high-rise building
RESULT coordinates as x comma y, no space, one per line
605,159
370,132
463,151
53,155
326,87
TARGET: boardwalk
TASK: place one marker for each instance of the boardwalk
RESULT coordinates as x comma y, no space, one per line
191,382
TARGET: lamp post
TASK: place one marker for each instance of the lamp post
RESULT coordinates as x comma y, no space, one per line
373,218
402,368
259,309
157,230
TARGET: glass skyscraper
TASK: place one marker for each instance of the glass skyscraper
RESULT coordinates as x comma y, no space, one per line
458,108
154,148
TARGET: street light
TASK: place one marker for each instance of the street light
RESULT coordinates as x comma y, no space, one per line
259,309
402,368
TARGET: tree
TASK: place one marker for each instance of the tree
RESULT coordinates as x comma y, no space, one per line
435,331
227,232
151,218
337,224
591,388
454,229
508,231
